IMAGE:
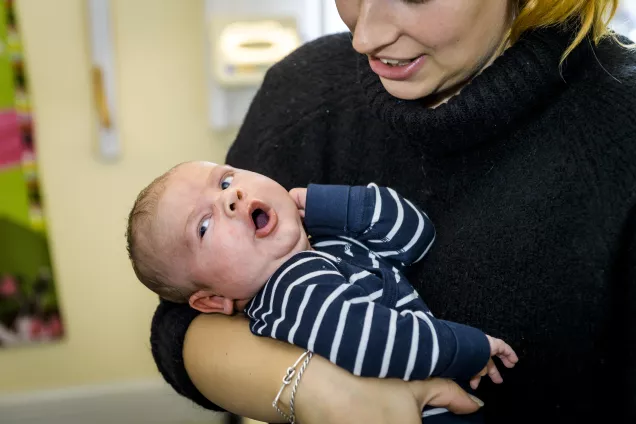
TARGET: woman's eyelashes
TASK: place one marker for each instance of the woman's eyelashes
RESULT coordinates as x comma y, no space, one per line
226,181
203,227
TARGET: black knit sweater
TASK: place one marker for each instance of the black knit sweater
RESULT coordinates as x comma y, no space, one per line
530,178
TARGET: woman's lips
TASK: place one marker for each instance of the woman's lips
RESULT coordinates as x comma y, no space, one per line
396,73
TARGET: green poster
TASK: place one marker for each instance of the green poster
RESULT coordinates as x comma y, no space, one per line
6,77
28,301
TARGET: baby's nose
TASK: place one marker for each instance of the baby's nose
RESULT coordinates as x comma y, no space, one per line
235,196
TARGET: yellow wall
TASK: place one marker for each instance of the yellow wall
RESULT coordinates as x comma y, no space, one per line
163,108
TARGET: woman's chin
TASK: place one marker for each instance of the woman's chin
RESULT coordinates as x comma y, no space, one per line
406,90
431,97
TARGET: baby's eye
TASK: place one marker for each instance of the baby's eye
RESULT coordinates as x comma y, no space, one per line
204,227
225,183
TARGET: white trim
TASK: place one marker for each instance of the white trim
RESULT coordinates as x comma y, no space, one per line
134,402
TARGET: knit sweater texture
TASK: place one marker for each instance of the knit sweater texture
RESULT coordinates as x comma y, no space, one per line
529,175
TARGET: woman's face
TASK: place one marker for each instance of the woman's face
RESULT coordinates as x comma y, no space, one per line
423,48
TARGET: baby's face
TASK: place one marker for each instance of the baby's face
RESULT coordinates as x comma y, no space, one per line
231,228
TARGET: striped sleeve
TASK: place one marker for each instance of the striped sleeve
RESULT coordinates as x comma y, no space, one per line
311,305
378,217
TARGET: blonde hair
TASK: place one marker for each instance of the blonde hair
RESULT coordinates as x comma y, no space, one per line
139,222
590,17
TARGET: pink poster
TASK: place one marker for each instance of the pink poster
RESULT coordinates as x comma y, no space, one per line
11,145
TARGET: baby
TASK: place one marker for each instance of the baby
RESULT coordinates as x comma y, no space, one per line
226,240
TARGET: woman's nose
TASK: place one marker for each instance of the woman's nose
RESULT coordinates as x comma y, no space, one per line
233,200
374,27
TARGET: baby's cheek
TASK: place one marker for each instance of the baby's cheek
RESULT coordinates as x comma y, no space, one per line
233,238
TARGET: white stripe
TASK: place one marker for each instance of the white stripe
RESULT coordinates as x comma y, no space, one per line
406,299
390,340
299,315
271,298
358,276
434,411
364,340
321,314
255,301
416,236
262,296
374,260
398,221
354,241
347,246
377,208
288,293
426,251
413,352
330,243
342,320
397,275
435,350
328,256
339,331
370,298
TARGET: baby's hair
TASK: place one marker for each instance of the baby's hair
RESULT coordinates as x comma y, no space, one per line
140,218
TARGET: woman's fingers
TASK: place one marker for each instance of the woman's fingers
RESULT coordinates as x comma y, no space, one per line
447,394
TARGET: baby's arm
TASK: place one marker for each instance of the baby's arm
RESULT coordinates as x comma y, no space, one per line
310,304
377,217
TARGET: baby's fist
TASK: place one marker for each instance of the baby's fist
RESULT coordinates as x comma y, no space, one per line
503,351
300,198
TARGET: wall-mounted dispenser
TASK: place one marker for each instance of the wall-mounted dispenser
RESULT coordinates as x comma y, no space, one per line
244,38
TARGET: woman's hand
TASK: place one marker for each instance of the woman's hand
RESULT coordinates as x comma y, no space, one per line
332,395
242,373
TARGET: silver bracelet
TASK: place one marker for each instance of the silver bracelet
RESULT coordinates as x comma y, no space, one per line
291,371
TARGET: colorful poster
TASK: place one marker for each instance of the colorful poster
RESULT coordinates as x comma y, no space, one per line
29,311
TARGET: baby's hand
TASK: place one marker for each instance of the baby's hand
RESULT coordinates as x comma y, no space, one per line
503,351
300,197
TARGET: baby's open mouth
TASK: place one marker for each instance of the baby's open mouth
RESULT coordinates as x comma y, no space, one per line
263,217
260,218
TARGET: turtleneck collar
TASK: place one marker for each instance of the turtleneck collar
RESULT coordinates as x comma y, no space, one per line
522,79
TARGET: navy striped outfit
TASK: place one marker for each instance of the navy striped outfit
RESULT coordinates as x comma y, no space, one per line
349,301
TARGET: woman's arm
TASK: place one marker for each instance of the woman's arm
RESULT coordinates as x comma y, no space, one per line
242,373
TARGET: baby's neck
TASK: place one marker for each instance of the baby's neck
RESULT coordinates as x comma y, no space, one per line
240,305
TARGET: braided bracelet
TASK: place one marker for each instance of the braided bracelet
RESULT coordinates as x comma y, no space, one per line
291,371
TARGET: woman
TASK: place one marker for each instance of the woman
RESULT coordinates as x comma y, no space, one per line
511,123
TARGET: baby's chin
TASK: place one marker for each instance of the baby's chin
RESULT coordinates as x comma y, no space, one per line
296,243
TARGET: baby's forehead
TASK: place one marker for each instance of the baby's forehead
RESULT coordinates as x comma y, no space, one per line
187,171
198,165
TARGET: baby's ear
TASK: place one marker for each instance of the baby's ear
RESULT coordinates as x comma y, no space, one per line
208,303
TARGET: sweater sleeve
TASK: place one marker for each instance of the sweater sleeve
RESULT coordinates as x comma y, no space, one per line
310,304
377,217
169,326
627,269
